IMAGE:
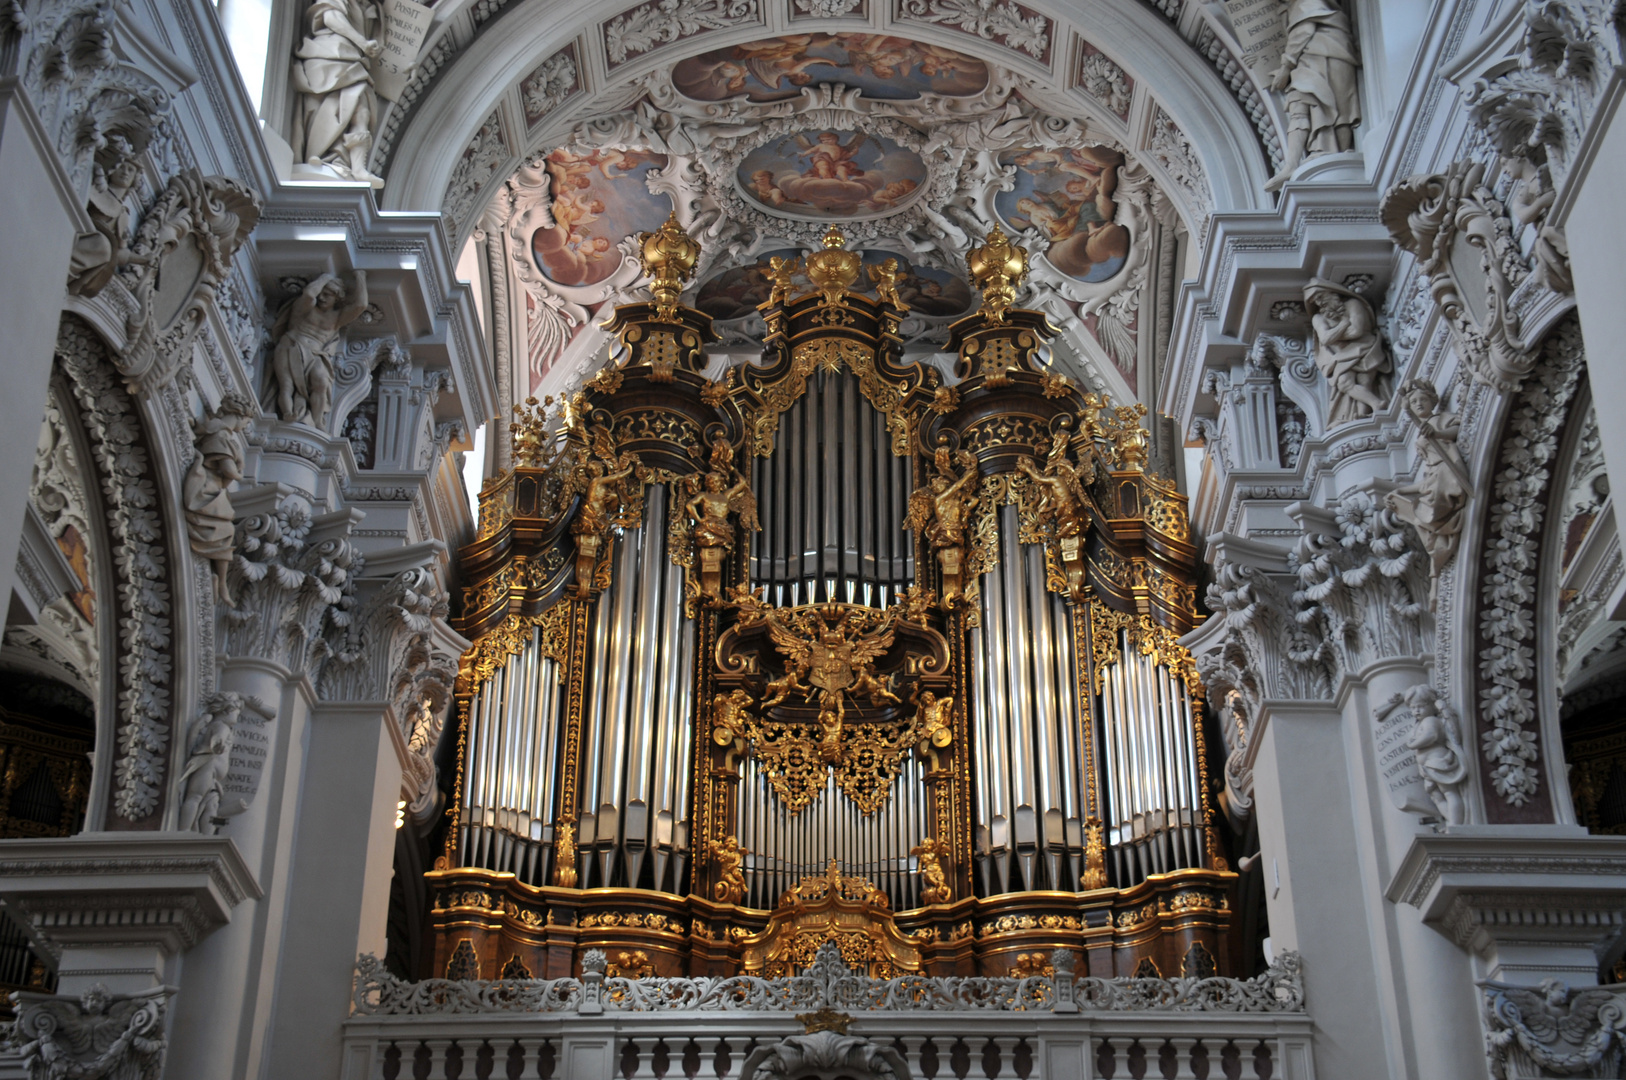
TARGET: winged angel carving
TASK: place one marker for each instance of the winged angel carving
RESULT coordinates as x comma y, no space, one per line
609,483
711,501
1551,1030
116,1036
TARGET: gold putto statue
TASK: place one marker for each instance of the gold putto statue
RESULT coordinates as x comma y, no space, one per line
729,858
668,255
998,267
936,887
610,499
834,270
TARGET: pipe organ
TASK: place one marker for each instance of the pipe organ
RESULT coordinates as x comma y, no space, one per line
838,647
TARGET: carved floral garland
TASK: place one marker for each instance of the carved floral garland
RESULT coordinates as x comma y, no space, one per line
139,551
1507,621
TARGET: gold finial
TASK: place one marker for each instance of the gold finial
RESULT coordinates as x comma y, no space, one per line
668,255
534,445
998,267
833,270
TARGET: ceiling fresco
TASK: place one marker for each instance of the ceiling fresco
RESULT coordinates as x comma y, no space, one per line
883,67
599,199
831,175
1066,195
915,150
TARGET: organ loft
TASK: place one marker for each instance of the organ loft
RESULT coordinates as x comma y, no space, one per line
831,647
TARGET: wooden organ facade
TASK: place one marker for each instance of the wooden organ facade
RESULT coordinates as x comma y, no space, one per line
831,647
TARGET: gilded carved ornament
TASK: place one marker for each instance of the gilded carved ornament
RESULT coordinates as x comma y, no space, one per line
831,908
997,267
704,530
668,256
940,512
610,482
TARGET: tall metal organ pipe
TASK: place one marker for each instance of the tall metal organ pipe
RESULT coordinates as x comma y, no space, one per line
1027,738
512,767
634,812
1153,779
831,498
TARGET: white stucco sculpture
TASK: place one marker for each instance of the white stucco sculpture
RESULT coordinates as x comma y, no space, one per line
1348,351
1317,76
203,777
97,255
307,344
211,524
1434,503
333,75
1440,757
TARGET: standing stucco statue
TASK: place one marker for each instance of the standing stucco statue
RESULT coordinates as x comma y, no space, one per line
307,344
208,760
338,106
211,524
1348,351
1317,76
1435,503
97,255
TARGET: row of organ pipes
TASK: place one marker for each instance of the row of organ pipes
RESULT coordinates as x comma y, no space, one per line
831,498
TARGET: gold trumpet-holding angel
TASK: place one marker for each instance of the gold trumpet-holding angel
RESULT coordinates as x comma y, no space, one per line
708,510
941,511
1062,504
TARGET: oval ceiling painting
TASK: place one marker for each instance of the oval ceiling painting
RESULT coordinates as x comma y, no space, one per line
736,292
832,175
878,65
599,199
1068,196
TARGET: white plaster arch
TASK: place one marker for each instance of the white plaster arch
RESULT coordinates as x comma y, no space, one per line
484,78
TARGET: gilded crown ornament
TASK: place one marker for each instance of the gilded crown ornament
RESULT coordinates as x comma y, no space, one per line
998,267
834,270
668,255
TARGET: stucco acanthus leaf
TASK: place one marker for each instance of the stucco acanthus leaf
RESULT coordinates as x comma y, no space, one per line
140,551
481,159
1171,149
1552,1030
1507,622
825,1053
99,1034
662,23
1106,82
827,9
988,19
1362,583
1464,243
84,95
549,85
293,579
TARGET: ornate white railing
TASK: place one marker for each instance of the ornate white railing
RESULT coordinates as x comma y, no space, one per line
597,1028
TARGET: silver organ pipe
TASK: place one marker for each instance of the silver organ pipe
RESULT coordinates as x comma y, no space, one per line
1026,729
785,848
1153,779
639,714
512,766
831,497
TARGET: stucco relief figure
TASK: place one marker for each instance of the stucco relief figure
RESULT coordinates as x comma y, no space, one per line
1434,504
210,521
1318,78
98,255
203,778
1348,351
307,336
1532,196
941,511
333,76
1440,757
